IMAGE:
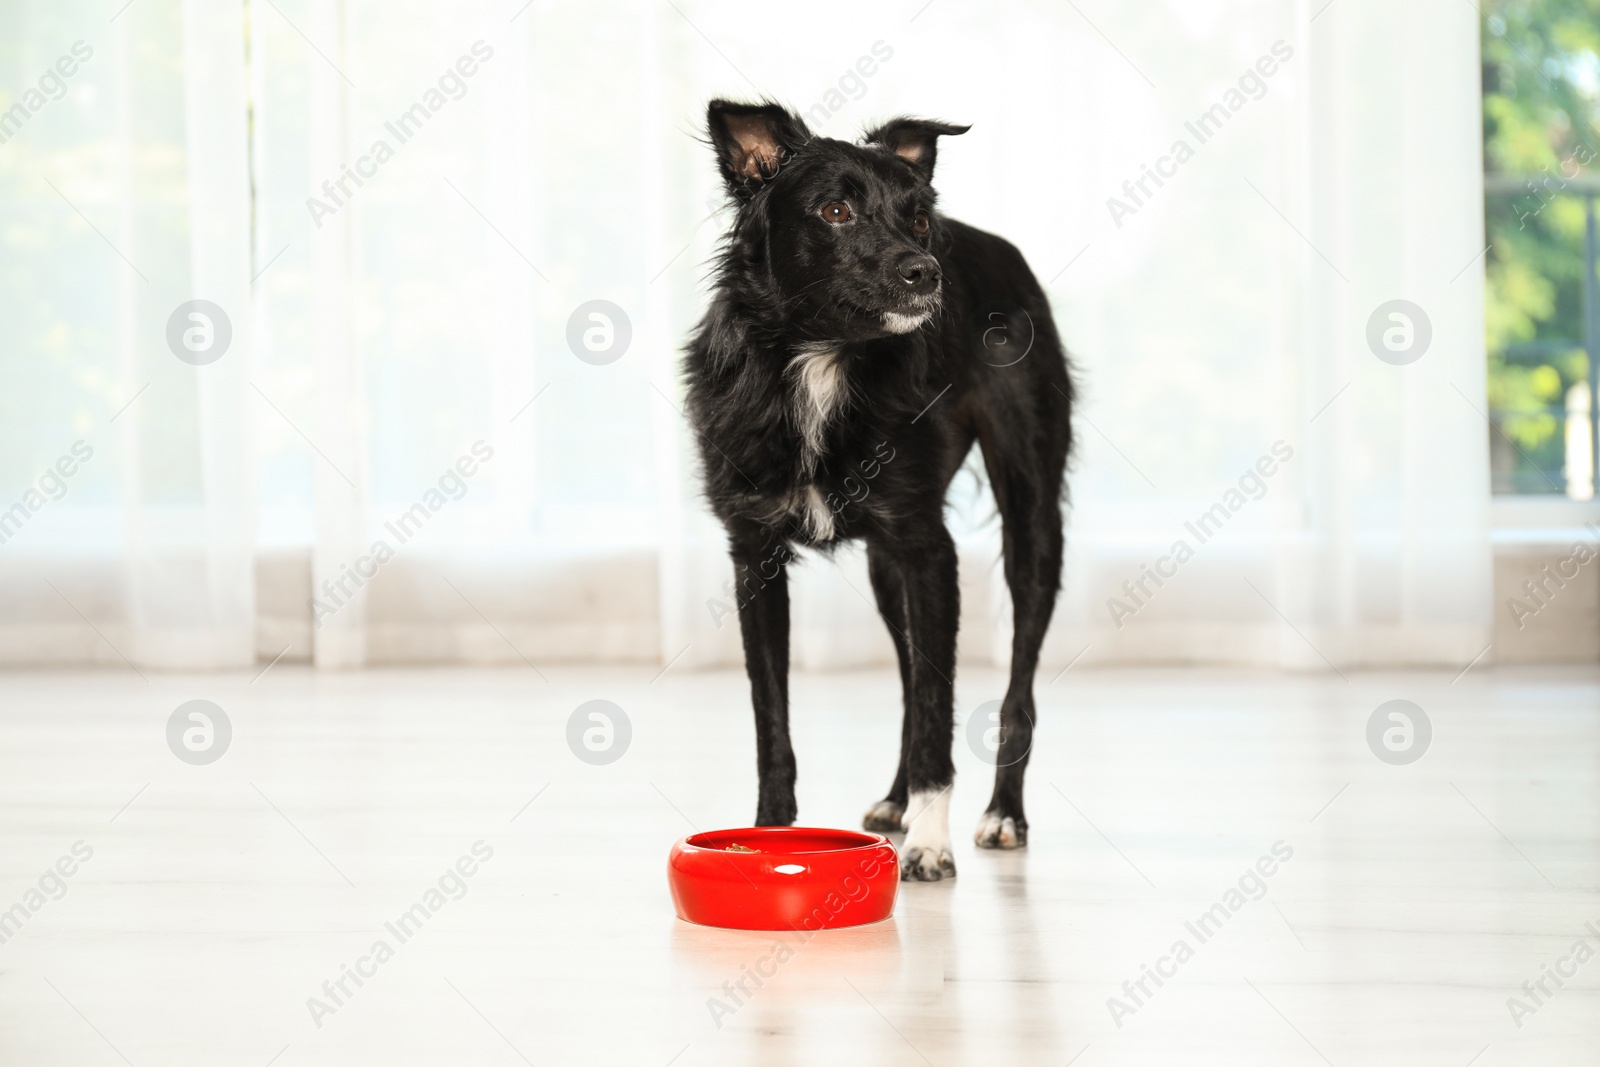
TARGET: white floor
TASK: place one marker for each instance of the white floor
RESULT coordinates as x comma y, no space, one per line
219,898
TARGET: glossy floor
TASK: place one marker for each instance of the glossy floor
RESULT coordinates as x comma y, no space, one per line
213,919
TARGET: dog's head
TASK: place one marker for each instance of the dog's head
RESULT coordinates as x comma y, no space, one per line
846,234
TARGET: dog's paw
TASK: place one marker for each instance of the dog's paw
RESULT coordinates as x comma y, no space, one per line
925,855
926,865
1000,831
884,817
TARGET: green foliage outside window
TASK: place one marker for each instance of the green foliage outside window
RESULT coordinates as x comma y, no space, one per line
1541,103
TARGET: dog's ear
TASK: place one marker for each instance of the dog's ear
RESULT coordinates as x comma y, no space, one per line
914,140
753,140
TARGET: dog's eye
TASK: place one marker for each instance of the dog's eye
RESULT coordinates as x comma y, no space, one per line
920,223
836,212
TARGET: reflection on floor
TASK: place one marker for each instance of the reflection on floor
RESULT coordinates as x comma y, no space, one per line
416,867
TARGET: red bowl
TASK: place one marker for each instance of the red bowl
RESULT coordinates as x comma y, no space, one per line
799,878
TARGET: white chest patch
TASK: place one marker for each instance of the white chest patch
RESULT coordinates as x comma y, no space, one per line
818,516
807,507
820,391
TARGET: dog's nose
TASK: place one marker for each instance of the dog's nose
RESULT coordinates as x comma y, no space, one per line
919,271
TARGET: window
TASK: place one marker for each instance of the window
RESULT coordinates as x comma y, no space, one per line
1541,80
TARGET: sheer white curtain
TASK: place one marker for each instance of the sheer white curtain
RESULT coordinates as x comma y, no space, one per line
419,323
1241,319
128,474
404,456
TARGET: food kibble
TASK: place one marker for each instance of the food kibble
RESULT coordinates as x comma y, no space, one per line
739,848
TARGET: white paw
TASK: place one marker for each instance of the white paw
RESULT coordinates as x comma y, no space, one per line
884,817
925,856
926,865
999,831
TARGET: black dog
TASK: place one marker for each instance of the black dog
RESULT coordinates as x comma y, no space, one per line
857,343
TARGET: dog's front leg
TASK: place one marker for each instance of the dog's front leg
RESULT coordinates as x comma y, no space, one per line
762,589
927,560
